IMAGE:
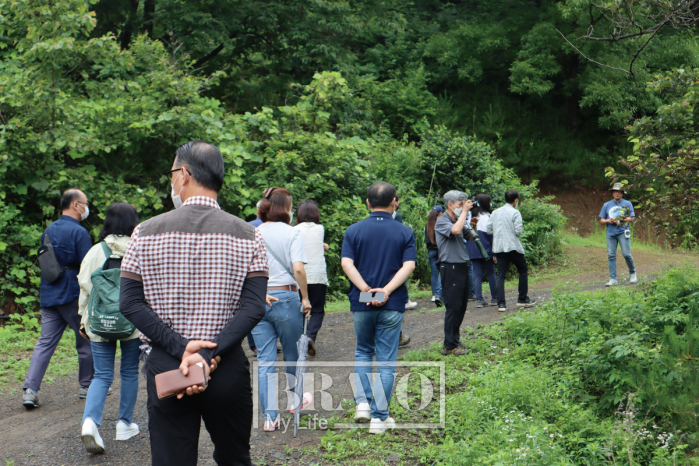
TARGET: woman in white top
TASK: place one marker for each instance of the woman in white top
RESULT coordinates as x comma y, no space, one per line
313,236
120,220
284,313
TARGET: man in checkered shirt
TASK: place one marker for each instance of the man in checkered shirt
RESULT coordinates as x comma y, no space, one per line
193,281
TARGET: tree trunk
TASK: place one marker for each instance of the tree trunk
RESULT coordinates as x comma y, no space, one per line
148,13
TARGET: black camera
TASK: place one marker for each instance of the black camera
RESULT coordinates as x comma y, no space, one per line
475,202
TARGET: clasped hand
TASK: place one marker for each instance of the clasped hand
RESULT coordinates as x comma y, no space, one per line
190,357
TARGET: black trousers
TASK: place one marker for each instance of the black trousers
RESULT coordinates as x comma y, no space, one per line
316,295
504,261
455,297
225,406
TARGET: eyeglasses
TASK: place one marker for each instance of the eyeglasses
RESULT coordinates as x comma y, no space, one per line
175,170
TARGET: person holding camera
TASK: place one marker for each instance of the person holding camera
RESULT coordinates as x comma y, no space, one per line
617,214
378,256
450,231
505,226
483,264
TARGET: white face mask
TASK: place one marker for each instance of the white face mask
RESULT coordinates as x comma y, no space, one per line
176,200
458,211
83,216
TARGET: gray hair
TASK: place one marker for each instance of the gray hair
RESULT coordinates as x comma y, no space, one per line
204,163
454,196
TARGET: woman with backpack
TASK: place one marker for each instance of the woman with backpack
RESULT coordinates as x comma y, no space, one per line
121,219
284,313
481,214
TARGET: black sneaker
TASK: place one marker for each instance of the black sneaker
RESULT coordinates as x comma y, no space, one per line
438,302
480,304
526,303
472,297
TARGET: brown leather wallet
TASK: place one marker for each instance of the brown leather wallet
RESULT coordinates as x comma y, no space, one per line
170,383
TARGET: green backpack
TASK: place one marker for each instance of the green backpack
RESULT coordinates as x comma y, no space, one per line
103,307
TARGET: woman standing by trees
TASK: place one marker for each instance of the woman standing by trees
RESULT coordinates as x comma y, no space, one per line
433,255
313,235
287,276
121,219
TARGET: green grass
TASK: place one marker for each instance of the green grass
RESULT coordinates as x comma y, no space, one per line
16,348
599,238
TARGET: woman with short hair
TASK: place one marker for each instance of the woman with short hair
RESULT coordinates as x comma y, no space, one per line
313,235
120,220
283,315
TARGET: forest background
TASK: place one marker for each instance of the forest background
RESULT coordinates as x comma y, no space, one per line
325,97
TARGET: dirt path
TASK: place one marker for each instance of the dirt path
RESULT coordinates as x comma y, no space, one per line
50,435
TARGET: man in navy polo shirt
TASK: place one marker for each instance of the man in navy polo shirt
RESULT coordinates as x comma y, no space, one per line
59,299
378,255
617,214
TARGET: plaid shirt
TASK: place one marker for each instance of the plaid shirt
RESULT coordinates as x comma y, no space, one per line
193,262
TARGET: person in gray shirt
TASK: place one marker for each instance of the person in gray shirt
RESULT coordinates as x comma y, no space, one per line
505,226
450,231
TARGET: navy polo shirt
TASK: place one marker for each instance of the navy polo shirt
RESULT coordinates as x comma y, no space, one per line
379,246
70,242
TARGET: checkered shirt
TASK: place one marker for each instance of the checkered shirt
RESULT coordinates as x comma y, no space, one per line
193,262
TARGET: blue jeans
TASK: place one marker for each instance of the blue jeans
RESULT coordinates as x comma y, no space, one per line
434,279
103,354
471,285
625,244
479,266
283,320
377,334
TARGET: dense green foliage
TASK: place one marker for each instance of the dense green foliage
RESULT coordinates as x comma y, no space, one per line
497,70
663,172
601,378
81,111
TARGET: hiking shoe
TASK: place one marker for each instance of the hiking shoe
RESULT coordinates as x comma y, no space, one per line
463,347
91,437
480,304
633,278
410,305
493,303
454,352
526,303
362,413
404,340
82,393
612,282
271,425
30,399
378,426
472,297
311,347
125,431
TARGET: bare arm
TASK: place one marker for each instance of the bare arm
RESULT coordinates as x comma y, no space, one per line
353,274
300,276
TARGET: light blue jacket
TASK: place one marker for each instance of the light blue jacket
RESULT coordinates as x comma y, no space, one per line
505,226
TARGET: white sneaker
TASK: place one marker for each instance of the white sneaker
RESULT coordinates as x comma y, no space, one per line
410,305
633,278
362,413
433,299
125,431
612,282
378,426
91,437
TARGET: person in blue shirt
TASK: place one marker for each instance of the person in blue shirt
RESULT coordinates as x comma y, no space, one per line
258,221
617,214
59,299
378,255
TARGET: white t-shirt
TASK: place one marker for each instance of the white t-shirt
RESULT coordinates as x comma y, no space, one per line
483,220
313,237
287,244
